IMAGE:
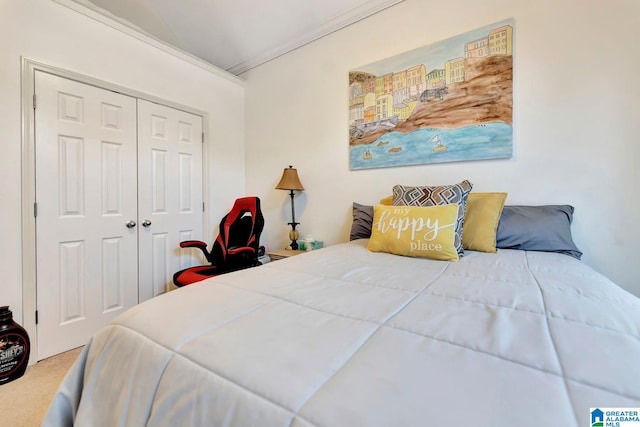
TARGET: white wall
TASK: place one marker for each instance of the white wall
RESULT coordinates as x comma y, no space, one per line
53,34
576,121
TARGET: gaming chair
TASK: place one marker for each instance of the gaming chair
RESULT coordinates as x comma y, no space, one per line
235,248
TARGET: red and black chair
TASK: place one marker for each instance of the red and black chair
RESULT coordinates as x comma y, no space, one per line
235,248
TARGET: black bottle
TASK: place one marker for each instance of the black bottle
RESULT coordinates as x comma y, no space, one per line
14,347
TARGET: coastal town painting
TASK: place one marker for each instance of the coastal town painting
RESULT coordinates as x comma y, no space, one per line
446,102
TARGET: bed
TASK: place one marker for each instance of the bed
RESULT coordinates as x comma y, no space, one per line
346,336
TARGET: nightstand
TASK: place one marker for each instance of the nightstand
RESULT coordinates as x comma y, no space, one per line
283,253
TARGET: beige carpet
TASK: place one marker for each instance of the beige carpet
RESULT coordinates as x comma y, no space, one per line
23,402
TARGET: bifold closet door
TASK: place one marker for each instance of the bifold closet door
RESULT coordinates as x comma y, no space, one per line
118,186
86,195
170,194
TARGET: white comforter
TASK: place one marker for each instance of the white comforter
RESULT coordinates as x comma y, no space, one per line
345,337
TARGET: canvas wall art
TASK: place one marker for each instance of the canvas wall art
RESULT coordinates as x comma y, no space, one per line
445,102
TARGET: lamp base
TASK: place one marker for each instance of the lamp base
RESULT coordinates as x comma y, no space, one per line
294,235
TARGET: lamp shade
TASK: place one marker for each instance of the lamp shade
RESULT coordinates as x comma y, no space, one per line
290,180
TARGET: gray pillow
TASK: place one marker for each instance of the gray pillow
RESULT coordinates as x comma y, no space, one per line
362,221
537,228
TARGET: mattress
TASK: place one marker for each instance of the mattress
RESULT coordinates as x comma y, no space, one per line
346,337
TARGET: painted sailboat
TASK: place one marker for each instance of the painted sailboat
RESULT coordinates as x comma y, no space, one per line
439,146
366,155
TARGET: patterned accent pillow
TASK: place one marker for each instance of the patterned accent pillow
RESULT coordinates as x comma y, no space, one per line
436,196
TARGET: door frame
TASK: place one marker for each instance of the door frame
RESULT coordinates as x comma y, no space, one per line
29,266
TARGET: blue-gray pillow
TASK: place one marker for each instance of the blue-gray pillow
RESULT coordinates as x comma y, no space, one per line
537,228
362,221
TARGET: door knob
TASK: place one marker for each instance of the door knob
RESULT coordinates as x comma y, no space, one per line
146,223
131,224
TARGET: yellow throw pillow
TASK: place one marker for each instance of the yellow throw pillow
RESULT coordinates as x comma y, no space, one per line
481,221
415,231
388,201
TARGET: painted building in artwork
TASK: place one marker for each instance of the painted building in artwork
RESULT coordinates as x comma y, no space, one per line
400,87
435,79
501,41
355,89
477,48
356,102
416,80
380,86
384,107
399,80
369,112
404,109
454,71
369,86
388,84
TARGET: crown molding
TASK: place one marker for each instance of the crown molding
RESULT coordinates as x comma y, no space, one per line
98,14
338,22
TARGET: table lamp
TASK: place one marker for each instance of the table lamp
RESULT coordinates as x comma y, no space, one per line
291,182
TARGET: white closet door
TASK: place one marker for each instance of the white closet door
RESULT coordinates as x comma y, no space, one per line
170,193
86,194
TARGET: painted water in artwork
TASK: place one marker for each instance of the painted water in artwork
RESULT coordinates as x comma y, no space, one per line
446,102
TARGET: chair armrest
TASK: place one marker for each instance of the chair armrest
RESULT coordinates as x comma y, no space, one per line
239,257
240,250
198,245
193,244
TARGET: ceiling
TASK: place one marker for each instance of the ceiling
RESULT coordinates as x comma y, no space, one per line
236,35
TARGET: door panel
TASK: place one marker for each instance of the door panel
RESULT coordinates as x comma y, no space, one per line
170,193
86,192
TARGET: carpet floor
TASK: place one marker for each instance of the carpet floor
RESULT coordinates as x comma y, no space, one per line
24,402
